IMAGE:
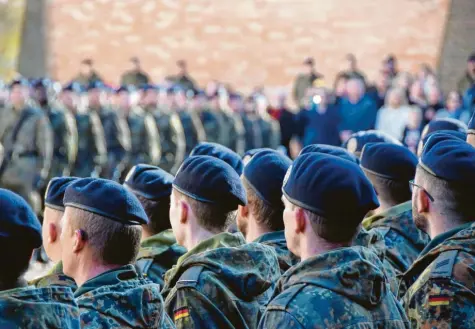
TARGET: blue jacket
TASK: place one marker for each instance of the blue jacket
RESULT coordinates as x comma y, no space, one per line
359,116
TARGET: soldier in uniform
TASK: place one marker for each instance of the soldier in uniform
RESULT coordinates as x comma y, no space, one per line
158,249
358,140
438,125
335,285
170,131
192,125
135,76
261,219
100,240
253,137
23,306
269,127
91,146
87,74
221,282
220,152
390,167
211,121
51,232
64,132
441,292
116,132
143,130
26,136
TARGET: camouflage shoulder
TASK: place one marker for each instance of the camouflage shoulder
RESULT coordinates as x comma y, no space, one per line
59,280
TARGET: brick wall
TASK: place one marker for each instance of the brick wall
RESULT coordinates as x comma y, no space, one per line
244,42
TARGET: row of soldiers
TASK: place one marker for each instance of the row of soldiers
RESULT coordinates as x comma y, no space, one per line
366,236
97,131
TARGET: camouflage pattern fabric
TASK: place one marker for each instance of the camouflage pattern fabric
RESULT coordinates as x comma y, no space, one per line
85,80
55,277
253,137
212,125
343,288
277,241
404,241
192,128
441,282
269,131
157,255
121,298
134,78
221,283
42,308
144,138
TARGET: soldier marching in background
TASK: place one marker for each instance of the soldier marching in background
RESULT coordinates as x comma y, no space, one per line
211,121
135,76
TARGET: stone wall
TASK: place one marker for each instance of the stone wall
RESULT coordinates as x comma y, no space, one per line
243,42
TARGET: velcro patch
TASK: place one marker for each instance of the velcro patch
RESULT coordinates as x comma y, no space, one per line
181,313
439,300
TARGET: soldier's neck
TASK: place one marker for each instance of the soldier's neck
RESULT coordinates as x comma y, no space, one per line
196,237
314,245
255,230
89,271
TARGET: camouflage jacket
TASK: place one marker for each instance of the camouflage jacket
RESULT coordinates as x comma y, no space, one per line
221,283
343,288
441,282
134,78
85,80
172,139
55,277
121,298
277,241
32,152
157,255
212,123
38,308
192,128
253,136
144,138
270,131
404,241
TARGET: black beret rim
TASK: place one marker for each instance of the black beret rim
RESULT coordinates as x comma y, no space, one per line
259,194
303,205
198,198
146,195
397,179
104,214
54,206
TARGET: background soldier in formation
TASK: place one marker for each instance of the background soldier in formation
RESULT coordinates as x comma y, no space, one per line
135,76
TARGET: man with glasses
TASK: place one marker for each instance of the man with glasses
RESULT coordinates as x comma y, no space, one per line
441,291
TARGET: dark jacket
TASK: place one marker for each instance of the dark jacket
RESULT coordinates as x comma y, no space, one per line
359,116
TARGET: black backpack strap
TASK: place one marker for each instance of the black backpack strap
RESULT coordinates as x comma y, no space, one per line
190,277
144,264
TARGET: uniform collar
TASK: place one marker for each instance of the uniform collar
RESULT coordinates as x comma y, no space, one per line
393,211
271,236
439,239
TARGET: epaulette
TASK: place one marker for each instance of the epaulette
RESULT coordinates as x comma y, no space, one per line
444,264
289,297
143,265
190,277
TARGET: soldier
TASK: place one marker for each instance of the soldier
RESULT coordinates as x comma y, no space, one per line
100,239
220,152
220,282
261,219
335,285
390,167
26,136
269,128
330,149
158,250
91,147
441,291
87,74
143,130
192,126
23,306
358,140
471,131
212,122
135,76
64,132
116,131
253,137
305,80
51,232
183,78
438,125
232,108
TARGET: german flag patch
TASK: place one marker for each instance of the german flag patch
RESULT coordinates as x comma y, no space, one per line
181,313
439,300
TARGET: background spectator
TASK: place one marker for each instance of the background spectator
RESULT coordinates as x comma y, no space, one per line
416,94
468,78
351,70
413,130
280,112
339,88
454,108
305,80
390,67
394,116
379,89
434,104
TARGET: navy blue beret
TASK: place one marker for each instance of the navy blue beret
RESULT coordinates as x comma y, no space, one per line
471,125
73,86
55,192
208,179
389,161
250,153
149,181
330,187
105,198
329,149
449,134
95,85
265,174
450,159
19,82
358,140
17,219
221,152
444,124
124,88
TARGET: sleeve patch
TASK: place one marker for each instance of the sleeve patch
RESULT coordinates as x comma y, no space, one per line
439,300
181,313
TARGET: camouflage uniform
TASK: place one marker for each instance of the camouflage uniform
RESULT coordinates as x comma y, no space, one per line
92,151
31,154
55,277
212,125
232,134
269,131
172,139
404,241
85,81
144,138
277,241
192,128
441,282
342,288
32,308
120,298
157,255
118,143
65,141
221,283
253,137
134,78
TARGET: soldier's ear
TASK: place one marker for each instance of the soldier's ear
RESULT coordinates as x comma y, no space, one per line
300,220
243,211
80,238
422,201
52,233
184,211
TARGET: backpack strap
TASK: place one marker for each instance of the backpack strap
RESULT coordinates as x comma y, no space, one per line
190,277
144,264
444,264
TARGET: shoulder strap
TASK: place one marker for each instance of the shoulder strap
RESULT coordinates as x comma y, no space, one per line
144,264
444,264
190,277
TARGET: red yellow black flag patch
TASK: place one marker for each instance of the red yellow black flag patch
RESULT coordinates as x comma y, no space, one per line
439,300
181,313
